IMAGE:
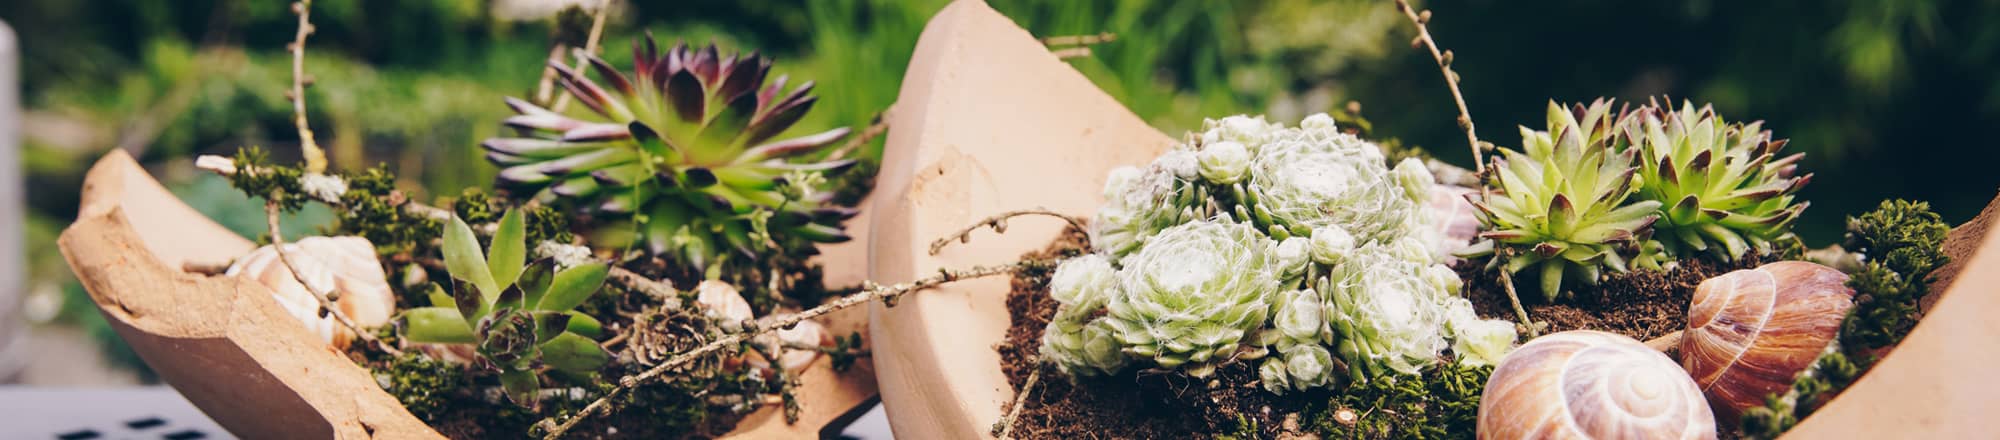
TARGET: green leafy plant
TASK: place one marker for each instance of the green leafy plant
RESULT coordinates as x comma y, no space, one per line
687,145
1903,242
1721,186
517,314
1558,206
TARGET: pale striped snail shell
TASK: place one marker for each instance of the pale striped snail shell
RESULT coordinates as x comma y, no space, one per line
1751,331
346,265
1591,385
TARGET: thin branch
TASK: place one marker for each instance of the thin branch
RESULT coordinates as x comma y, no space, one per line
227,167
1071,52
773,323
315,157
1079,40
325,299
589,48
1444,58
1020,402
875,129
999,224
1507,282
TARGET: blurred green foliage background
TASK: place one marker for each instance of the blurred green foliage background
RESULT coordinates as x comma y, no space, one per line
1889,98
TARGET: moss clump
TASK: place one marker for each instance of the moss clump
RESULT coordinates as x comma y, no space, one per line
424,385
1903,242
372,208
1441,402
262,179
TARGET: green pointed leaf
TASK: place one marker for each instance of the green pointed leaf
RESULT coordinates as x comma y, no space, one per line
585,325
464,260
572,352
535,279
1552,279
439,298
438,325
522,387
571,287
549,324
509,250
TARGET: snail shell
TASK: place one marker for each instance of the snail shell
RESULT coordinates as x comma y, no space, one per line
724,302
346,265
1751,331
1591,384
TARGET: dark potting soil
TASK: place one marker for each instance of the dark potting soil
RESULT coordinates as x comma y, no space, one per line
1131,405
1642,304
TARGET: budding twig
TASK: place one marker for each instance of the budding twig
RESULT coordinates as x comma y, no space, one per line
1507,282
315,157
1020,402
875,129
773,323
999,224
227,167
1080,40
325,299
1444,59
589,48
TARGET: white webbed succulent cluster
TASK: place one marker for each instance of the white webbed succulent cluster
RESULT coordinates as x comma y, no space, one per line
1252,241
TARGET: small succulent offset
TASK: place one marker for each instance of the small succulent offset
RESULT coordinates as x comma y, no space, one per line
1721,186
1558,206
685,144
518,315
1208,256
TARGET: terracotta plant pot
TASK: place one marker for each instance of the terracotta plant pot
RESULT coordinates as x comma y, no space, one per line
227,346
989,121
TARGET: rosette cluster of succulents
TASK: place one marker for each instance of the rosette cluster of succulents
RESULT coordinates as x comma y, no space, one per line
1299,248
687,146
1604,191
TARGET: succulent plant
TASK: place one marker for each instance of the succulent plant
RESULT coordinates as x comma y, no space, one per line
1190,296
687,145
1388,310
1141,202
1721,186
1559,206
517,314
1315,176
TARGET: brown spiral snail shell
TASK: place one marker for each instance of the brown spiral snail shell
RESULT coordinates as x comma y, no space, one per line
1591,384
1751,331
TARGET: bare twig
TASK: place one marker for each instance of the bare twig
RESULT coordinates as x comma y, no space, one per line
325,298
773,323
1020,402
1071,52
1079,40
206,267
875,129
1507,282
999,224
315,157
589,48
1443,57
226,167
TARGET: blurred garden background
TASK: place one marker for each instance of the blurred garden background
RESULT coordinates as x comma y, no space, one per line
1889,98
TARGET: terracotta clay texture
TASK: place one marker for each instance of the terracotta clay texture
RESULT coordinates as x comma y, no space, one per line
232,351
988,121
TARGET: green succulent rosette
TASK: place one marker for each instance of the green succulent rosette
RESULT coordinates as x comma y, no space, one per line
1722,188
1191,294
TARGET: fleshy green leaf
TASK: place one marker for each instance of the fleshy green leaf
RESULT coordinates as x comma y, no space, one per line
571,287
585,325
571,352
534,280
464,260
509,250
438,325
548,325
521,386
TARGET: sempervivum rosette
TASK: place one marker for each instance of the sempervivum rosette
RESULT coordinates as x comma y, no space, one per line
1081,286
687,145
1190,296
1140,202
1721,186
1315,176
1393,311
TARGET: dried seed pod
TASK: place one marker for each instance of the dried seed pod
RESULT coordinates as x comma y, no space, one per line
1591,384
1751,331
342,267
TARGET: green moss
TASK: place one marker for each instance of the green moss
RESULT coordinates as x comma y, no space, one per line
277,182
372,208
424,385
1442,402
1903,243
